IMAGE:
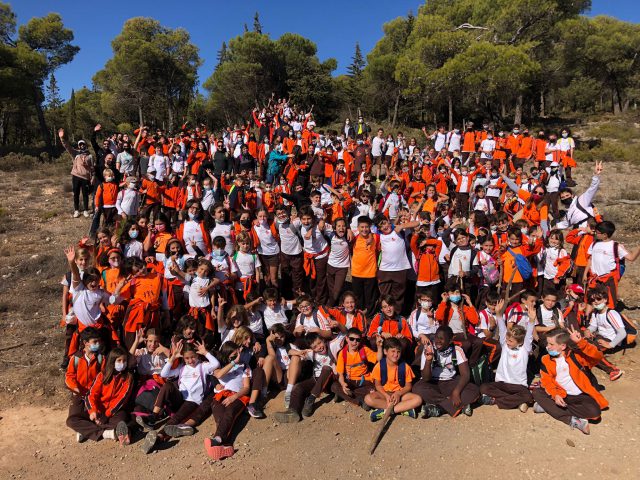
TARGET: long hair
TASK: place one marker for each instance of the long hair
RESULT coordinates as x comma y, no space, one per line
109,367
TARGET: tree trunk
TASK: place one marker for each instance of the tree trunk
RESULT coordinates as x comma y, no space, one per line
395,111
503,110
44,131
517,117
140,118
450,101
170,115
542,112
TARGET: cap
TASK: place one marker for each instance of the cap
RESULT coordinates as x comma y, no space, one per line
554,164
81,141
577,289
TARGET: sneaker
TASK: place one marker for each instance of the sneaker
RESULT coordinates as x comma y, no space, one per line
147,423
86,213
64,364
467,410
581,424
615,374
122,433
287,400
537,408
109,434
216,450
410,413
432,411
307,410
181,430
523,407
376,414
76,214
255,411
487,400
149,441
79,437
288,416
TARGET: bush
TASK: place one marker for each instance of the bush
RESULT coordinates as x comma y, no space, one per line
14,162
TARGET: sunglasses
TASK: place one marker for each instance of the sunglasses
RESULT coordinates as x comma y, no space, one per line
538,192
354,339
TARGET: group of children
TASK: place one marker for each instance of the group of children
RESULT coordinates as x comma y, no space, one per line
205,290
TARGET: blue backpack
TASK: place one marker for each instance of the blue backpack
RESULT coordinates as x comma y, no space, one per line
522,264
402,372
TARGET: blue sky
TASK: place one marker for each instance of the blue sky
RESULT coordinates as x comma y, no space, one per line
335,26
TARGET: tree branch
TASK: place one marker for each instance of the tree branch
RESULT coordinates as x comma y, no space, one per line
468,26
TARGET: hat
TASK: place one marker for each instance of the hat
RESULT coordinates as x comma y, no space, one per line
554,164
82,142
311,124
577,289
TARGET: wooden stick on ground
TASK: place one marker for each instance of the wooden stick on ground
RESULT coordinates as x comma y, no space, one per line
378,435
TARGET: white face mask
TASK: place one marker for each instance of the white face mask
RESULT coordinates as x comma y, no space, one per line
108,179
565,135
119,366
426,304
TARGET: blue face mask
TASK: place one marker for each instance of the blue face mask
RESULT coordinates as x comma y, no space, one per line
553,353
455,298
133,234
95,348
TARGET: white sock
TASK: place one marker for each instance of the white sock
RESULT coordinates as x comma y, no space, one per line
109,434
289,387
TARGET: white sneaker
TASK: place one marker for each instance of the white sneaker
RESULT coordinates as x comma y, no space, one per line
86,214
76,214
109,434
79,437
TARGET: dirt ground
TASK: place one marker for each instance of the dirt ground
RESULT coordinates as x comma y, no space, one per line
35,225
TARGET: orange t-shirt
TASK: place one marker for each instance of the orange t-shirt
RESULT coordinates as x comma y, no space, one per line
364,259
355,367
392,384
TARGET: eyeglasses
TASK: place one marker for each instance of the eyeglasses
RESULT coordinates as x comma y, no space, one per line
354,339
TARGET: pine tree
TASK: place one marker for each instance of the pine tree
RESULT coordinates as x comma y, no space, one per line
71,117
357,63
246,28
54,101
223,54
257,27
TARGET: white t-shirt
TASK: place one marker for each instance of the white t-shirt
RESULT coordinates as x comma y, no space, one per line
234,379
192,232
487,148
223,229
308,322
377,146
339,255
551,255
442,367
599,322
290,243
421,323
268,244
223,267
86,303
192,380
563,377
460,256
603,259
547,317
316,244
275,315
327,359
247,264
393,256
455,140
440,140
195,299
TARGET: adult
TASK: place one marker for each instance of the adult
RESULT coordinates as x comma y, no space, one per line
82,173
580,208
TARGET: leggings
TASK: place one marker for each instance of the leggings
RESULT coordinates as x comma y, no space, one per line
80,185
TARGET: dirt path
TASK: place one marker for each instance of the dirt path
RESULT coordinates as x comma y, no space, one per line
35,225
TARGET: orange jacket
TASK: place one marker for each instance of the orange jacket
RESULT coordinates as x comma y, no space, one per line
390,325
153,191
428,266
108,398
586,356
526,147
582,243
106,194
82,375
445,312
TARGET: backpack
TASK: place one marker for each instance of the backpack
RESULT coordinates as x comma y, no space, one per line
402,372
76,360
629,326
363,359
522,264
490,272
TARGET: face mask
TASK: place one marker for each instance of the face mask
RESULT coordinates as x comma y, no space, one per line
566,201
489,137
553,353
426,305
501,134
132,186
360,142
192,182
494,176
114,263
133,234
108,179
516,132
600,307
537,198
94,348
298,136
218,252
207,188
565,135
554,171
524,231
191,216
455,298
119,366
456,131
245,223
152,177
161,227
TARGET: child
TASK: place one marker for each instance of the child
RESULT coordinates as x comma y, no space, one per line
185,397
393,381
316,254
277,364
323,357
339,259
387,324
606,330
567,392
518,313
105,416
229,400
128,200
129,241
445,386
353,367
422,320
105,200
248,266
606,256
312,319
510,389
364,266
348,316
555,263
274,309
82,372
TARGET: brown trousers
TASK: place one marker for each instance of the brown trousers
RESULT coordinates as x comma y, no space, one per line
335,283
438,392
292,270
394,284
507,395
358,390
184,410
78,420
225,418
310,386
581,406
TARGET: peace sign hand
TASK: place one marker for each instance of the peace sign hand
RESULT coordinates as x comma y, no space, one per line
574,334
